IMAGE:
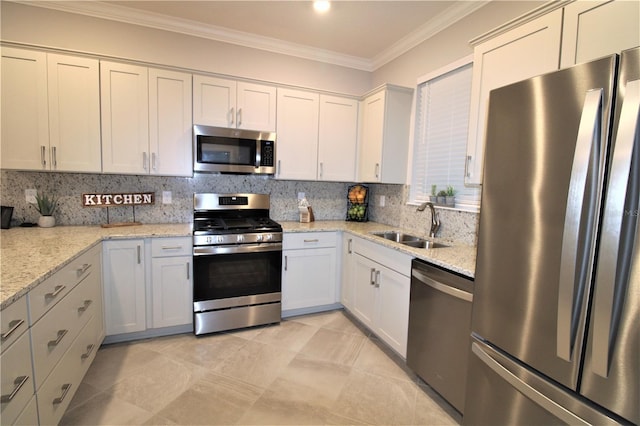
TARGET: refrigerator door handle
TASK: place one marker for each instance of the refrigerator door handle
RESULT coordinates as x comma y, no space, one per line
581,201
529,392
616,245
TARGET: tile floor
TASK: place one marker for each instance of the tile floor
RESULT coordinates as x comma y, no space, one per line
320,369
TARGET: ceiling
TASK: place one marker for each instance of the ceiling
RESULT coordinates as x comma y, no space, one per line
360,34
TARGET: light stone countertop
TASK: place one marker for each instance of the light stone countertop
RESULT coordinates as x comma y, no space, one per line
28,256
460,258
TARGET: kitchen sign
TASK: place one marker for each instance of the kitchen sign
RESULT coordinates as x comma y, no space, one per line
121,199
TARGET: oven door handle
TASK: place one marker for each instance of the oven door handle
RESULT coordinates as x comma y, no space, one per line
231,249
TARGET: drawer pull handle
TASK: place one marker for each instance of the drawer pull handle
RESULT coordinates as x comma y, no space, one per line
65,389
372,279
171,247
84,268
56,291
315,240
84,307
15,324
377,282
18,382
54,343
87,354
188,271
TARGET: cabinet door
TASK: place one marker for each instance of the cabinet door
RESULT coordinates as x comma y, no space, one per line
124,286
337,139
392,323
365,300
308,278
214,101
598,28
347,287
170,123
256,107
529,50
370,152
25,116
171,290
74,114
125,118
297,134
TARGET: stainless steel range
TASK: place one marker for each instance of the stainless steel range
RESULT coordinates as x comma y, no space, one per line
237,253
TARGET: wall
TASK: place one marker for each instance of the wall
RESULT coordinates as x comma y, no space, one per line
50,28
25,24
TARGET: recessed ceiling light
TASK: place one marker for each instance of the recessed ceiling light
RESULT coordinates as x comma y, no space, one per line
321,6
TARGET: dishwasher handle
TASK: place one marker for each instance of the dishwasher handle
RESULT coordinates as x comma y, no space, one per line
443,288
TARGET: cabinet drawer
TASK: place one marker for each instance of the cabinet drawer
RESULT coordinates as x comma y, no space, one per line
15,321
29,415
166,247
304,240
51,291
52,336
57,391
17,379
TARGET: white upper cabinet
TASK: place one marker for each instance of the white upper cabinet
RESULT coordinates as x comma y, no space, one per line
297,134
337,139
526,51
146,120
170,123
593,29
125,118
50,112
236,104
384,139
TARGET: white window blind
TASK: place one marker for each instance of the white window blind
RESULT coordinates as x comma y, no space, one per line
440,136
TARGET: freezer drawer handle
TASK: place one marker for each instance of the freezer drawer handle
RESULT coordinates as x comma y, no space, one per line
529,392
443,288
617,242
17,385
582,202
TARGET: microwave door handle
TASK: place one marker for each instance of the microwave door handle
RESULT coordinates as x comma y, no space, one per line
581,201
617,241
258,154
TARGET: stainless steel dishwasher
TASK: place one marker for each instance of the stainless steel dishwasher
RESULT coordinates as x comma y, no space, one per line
440,329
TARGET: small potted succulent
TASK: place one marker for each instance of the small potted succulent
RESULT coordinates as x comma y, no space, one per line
451,196
46,206
442,197
434,197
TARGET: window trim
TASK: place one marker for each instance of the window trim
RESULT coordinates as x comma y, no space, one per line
452,66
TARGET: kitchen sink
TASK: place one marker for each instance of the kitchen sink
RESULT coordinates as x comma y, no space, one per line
426,244
409,240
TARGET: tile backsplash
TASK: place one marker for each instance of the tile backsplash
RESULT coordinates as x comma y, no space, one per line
328,199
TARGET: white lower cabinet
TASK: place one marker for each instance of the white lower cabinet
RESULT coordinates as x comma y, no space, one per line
44,360
309,270
171,281
381,285
124,286
148,286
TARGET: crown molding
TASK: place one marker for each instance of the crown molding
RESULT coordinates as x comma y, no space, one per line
98,9
450,16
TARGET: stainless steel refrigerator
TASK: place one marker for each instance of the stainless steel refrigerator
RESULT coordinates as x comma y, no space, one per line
555,319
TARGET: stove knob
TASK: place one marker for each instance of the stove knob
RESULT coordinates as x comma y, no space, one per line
268,237
259,237
240,238
219,239
209,240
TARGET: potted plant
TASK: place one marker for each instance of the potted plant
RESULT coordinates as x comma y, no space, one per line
442,197
433,198
46,206
450,197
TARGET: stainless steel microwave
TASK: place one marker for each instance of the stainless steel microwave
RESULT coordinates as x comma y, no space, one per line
224,150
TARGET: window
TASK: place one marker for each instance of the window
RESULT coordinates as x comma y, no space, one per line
440,135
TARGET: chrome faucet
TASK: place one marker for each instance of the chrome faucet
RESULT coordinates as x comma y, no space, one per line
435,221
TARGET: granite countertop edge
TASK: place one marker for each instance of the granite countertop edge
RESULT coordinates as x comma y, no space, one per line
29,256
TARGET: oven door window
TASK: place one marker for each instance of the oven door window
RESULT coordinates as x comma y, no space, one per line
221,276
223,150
